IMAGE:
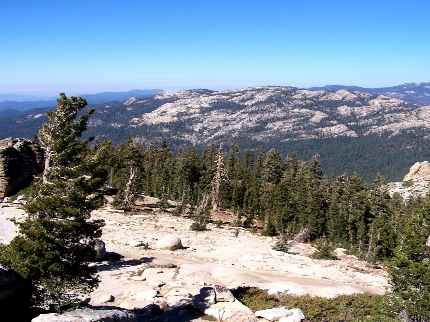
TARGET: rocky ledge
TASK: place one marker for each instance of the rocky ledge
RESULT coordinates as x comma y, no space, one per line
20,159
416,182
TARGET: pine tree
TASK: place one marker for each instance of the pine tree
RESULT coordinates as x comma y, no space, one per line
55,243
382,239
410,267
129,168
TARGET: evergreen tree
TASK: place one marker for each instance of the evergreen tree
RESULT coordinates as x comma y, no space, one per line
410,267
129,171
55,243
382,239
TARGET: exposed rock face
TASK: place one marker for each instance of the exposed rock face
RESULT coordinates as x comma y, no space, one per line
420,170
415,184
19,160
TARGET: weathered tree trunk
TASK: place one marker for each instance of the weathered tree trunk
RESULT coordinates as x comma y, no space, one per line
128,192
216,181
48,155
370,248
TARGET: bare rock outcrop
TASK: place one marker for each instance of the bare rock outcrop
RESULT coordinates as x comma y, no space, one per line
20,160
89,315
281,314
415,184
420,171
207,303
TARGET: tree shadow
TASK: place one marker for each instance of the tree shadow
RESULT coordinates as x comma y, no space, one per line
120,263
153,313
183,313
187,311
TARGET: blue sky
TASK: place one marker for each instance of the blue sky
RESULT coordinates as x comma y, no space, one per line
92,45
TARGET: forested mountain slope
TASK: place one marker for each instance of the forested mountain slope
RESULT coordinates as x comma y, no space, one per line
352,129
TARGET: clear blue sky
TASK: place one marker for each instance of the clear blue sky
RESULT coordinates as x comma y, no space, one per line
92,45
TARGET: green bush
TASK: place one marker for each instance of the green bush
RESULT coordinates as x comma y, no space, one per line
325,249
348,308
198,226
281,246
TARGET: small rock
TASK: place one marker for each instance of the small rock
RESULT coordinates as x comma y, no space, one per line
428,242
339,252
223,294
105,298
100,248
274,314
296,315
169,242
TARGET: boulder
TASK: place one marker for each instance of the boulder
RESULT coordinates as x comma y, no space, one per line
206,303
274,314
169,242
20,159
339,252
296,315
204,299
428,242
230,311
420,170
20,200
89,315
100,248
223,294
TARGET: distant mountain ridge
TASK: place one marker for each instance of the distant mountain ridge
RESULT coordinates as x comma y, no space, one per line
12,102
352,130
418,93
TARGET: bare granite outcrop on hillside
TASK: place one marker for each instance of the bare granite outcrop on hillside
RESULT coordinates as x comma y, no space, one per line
416,182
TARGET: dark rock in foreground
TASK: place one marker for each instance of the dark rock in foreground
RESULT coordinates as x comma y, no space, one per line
19,160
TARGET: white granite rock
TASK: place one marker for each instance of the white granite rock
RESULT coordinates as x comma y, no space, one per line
273,314
169,242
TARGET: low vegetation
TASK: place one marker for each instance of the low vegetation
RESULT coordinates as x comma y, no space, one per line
324,249
360,307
